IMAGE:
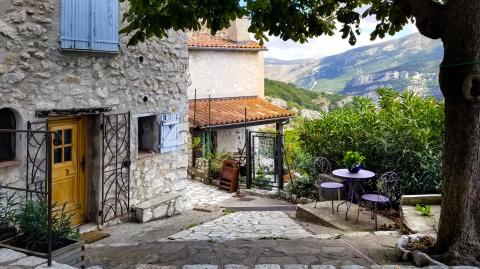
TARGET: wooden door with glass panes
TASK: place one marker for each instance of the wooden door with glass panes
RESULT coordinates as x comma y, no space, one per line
68,167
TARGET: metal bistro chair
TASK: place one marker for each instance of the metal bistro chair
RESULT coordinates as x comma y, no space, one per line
386,185
323,169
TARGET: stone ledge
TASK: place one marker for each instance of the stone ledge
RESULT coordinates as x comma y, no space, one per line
428,199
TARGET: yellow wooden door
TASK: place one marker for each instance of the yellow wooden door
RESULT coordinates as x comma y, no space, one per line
68,167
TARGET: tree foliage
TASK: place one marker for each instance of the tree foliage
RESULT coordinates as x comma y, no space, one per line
402,134
287,19
301,98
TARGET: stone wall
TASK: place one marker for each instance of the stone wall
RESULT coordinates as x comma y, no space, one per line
150,78
226,73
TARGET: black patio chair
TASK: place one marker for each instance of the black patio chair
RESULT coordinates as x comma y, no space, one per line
325,180
386,185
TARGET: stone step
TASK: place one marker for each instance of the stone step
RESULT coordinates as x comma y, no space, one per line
291,266
322,214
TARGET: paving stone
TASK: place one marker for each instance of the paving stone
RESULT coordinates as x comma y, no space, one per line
55,265
358,234
200,266
389,233
323,267
395,266
295,266
325,236
8,255
154,266
351,267
267,266
333,249
30,261
235,266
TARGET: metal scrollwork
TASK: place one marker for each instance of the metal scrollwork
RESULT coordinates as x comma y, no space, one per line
115,166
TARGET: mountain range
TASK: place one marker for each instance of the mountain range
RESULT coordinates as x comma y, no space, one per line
410,62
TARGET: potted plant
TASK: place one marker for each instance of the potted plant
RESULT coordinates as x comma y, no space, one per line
32,236
353,160
8,204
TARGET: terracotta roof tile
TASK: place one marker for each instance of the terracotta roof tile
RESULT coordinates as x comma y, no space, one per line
231,111
205,40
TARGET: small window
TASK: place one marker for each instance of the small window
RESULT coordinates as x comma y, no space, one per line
7,140
158,133
147,134
89,25
62,146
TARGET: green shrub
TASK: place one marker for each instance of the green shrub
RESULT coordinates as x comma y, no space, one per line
425,210
8,204
303,187
297,159
33,224
216,160
402,134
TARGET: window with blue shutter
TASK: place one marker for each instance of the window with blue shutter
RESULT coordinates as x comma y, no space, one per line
169,132
89,25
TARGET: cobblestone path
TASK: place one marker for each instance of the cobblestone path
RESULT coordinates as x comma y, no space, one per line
307,251
245,225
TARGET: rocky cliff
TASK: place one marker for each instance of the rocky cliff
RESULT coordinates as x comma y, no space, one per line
410,63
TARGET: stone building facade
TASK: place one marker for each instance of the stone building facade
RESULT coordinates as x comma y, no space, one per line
40,81
228,68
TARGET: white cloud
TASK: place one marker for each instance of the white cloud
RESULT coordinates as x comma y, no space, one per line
327,45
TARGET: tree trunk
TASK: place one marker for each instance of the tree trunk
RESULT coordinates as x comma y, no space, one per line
459,228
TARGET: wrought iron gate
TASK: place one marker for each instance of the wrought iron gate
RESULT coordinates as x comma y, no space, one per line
38,148
115,166
264,160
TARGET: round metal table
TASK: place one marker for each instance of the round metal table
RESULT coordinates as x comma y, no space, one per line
354,182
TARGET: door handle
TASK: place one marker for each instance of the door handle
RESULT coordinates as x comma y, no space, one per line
67,171
83,163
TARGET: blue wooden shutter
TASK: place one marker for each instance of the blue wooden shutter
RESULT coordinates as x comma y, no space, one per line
105,25
169,133
75,24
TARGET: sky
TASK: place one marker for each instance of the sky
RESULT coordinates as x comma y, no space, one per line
327,45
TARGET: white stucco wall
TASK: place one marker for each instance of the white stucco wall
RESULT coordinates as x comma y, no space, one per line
226,73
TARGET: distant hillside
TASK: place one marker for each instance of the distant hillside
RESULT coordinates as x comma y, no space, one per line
409,62
298,98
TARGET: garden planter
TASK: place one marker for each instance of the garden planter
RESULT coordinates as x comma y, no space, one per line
354,169
416,256
6,234
70,252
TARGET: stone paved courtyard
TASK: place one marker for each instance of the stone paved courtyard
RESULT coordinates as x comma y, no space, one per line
199,194
216,239
245,225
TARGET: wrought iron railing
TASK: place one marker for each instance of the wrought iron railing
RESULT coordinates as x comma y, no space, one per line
38,178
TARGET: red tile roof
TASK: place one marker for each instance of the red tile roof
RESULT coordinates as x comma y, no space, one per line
231,111
205,40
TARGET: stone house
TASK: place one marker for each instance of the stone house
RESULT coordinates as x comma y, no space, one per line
226,95
119,114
